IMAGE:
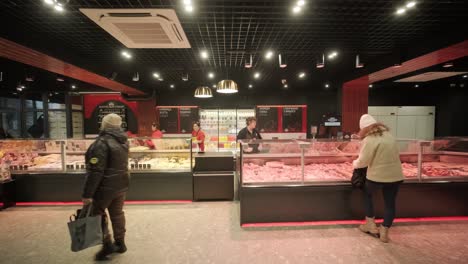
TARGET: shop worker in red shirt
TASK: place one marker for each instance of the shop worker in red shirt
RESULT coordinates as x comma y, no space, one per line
198,136
155,134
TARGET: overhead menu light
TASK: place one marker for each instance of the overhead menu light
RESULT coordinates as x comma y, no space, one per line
204,54
257,75
321,64
359,64
227,87
269,54
203,92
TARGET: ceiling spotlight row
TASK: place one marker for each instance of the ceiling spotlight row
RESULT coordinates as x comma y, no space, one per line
57,4
409,5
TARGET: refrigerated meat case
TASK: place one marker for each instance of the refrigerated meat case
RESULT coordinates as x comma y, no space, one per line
54,170
221,127
309,180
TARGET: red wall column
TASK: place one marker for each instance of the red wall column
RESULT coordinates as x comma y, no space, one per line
355,101
146,116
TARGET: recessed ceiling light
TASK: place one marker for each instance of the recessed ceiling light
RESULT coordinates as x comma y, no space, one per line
250,86
327,85
172,86
204,54
126,54
448,65
285,86
161,79
214,86
189,8
156,75
187,2
49,2
465,76
416,85
370,86
296,9
257,75
300,3
410,4
73,86
269,55
333,55
58,8
211,75
302,75
401,11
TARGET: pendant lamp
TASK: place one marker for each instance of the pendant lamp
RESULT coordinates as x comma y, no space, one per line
203,92
227,87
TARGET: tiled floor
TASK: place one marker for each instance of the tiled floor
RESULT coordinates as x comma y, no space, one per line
210,233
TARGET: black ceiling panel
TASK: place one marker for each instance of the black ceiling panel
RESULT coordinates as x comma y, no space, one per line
232,30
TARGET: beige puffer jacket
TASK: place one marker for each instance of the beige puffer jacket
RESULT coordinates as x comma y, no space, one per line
381,155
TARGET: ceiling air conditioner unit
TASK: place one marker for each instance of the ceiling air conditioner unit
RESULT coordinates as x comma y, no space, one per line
141,28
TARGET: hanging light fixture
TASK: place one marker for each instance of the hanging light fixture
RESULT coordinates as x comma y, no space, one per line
227,87
321,64
249,64
359,64
203,92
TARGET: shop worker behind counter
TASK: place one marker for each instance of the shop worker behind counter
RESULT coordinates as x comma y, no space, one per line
107,182
250,133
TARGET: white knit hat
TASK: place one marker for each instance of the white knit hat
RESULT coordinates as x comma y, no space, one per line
366,120
111,121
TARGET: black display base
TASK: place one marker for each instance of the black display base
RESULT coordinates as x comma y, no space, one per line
342,202
67,187
213,186
7,194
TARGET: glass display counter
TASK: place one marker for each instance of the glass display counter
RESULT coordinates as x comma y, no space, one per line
54,170
307,180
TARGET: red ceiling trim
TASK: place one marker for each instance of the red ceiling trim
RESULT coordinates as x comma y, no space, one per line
450,53
19,53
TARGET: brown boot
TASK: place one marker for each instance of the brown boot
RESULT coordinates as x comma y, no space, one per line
369,226
384,234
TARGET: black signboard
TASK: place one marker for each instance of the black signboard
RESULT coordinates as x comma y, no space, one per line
112,107
292,119
168,119
188,115
267,119
129,120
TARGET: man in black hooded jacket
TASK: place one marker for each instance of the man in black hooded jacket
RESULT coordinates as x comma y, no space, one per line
107,181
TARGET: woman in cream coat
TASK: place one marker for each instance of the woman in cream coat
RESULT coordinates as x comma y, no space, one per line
380,154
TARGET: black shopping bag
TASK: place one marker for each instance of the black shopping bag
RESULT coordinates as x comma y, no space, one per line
359,178
85,230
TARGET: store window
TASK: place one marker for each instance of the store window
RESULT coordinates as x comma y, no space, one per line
10,118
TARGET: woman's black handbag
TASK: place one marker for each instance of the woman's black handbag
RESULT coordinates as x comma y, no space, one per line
359,178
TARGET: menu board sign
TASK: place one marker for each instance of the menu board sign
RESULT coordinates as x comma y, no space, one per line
188,115
292,119
112,107
168,119
267,119
332,121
